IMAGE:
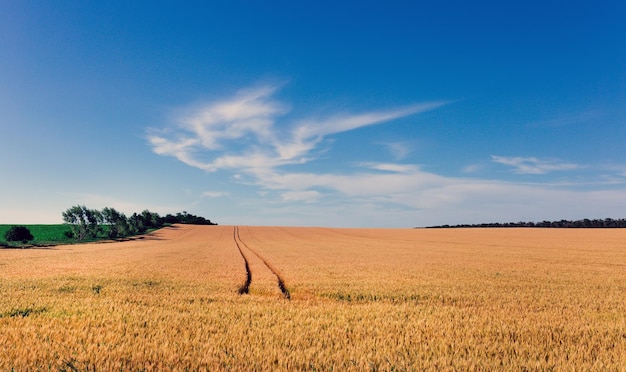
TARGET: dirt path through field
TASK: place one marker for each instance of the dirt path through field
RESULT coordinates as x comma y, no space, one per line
245,288
262,279
279,278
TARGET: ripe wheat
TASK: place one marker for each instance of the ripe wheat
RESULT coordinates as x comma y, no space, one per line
360,299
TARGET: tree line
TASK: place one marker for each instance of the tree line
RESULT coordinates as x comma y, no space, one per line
584,223
86,223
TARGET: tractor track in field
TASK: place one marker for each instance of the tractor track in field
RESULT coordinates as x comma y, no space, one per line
279,278
245,288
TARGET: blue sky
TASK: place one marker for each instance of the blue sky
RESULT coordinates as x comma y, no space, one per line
352,114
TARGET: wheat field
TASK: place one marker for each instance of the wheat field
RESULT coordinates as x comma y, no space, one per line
277,298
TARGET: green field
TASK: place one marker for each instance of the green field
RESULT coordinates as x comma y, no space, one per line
44,235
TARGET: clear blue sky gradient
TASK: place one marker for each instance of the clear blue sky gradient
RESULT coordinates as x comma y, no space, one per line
382,114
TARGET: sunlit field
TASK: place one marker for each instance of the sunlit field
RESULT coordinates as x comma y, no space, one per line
208,298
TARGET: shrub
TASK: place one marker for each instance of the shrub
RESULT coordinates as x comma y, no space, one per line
18,233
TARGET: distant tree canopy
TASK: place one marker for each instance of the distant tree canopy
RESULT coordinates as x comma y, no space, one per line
85,222
92,224
187,218
18,234
585,223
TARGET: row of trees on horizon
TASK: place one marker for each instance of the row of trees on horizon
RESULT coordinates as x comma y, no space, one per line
88,223
584,223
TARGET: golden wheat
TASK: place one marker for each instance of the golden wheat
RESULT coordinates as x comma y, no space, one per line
361,299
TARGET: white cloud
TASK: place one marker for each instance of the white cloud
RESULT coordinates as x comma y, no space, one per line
616,171
413,197
250,113
368,182
406,194
306,134
390,167
532,165
241,133
472,168
306,196
399,150
214,194
244,135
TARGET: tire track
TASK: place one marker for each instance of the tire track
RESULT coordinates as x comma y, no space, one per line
245,288
281,281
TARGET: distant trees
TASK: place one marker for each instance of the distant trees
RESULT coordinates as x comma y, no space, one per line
185,217
116,222
83,221
139,223
585,223
18,234
109,223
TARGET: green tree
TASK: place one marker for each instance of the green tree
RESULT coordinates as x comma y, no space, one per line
85,222
116,221
136,224
18,234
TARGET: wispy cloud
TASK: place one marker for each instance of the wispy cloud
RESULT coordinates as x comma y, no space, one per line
242,132
380,194
390,167
306,134
248,117
399,150
615,170
308,196
472,168
214,194
256,139
532,165
568,120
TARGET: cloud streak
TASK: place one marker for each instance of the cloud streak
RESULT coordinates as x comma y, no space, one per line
532,165
381,194
242,132
214,194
